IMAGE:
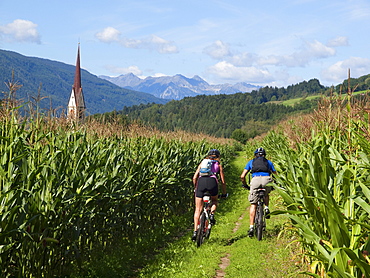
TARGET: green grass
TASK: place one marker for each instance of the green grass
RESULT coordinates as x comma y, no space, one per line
291,102
248,257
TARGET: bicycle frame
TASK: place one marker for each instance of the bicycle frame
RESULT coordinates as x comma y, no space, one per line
259,218
204,223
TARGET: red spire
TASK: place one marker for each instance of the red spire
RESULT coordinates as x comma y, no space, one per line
77,82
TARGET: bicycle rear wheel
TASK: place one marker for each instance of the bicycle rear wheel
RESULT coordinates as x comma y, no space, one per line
258,222
201,229
207,228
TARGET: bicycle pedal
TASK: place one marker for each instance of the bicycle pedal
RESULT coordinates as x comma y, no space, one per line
251,232
267,213
194,236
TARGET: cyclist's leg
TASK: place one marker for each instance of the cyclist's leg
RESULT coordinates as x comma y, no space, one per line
199,193
212,187
253,198
252,214
198,210
265,181
214,203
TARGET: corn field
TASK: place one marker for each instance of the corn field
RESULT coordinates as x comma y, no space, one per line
324,180
67,193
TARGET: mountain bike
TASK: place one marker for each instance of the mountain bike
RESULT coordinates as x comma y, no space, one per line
204,224
260,218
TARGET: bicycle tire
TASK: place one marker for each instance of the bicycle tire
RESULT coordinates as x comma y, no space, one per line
259,221
201,231
207,228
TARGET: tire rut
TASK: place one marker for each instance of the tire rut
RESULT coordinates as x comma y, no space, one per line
225,261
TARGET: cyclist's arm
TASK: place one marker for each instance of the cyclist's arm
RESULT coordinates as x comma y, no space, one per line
272,167
243,175
223,182
273,173
196,176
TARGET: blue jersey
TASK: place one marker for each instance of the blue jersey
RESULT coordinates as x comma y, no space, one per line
248,167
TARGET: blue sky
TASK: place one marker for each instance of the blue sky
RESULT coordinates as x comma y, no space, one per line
266,42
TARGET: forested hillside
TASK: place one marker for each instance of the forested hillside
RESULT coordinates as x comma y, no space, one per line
240,116
302,89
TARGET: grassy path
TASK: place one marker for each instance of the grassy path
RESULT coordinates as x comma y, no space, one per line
229,252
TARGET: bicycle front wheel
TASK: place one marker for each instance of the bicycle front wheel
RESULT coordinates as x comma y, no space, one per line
201,229
258,222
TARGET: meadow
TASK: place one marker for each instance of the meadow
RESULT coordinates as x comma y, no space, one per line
106,200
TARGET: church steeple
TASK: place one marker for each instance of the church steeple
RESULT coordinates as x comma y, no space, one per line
76,104
77,82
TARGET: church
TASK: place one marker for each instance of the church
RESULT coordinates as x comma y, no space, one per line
76,104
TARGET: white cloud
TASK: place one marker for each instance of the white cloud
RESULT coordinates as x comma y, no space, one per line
167,48
21,30
258,69
162,45
308,52
359,10
339,71
153,42
243,59
108,35
338,41
131,43
251,67
217,50
317,49
159,74
227,71
131,69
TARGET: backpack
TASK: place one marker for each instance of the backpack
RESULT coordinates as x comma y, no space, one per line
260,164
206,167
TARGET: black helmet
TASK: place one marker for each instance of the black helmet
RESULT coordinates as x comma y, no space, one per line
260,151
214,152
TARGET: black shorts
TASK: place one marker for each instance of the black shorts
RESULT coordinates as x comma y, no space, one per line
206,184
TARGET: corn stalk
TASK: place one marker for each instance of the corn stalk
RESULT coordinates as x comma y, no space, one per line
324,184
65,194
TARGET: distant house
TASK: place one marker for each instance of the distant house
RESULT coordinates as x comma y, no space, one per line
76,104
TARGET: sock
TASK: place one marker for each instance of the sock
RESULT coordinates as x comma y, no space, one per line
266,207
251,226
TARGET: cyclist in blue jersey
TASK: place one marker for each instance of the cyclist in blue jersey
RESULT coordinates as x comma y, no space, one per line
261,169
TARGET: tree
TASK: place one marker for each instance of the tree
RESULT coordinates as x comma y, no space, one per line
240,135
367,82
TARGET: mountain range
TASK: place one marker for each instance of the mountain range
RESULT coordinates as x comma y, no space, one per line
53,81
177,86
